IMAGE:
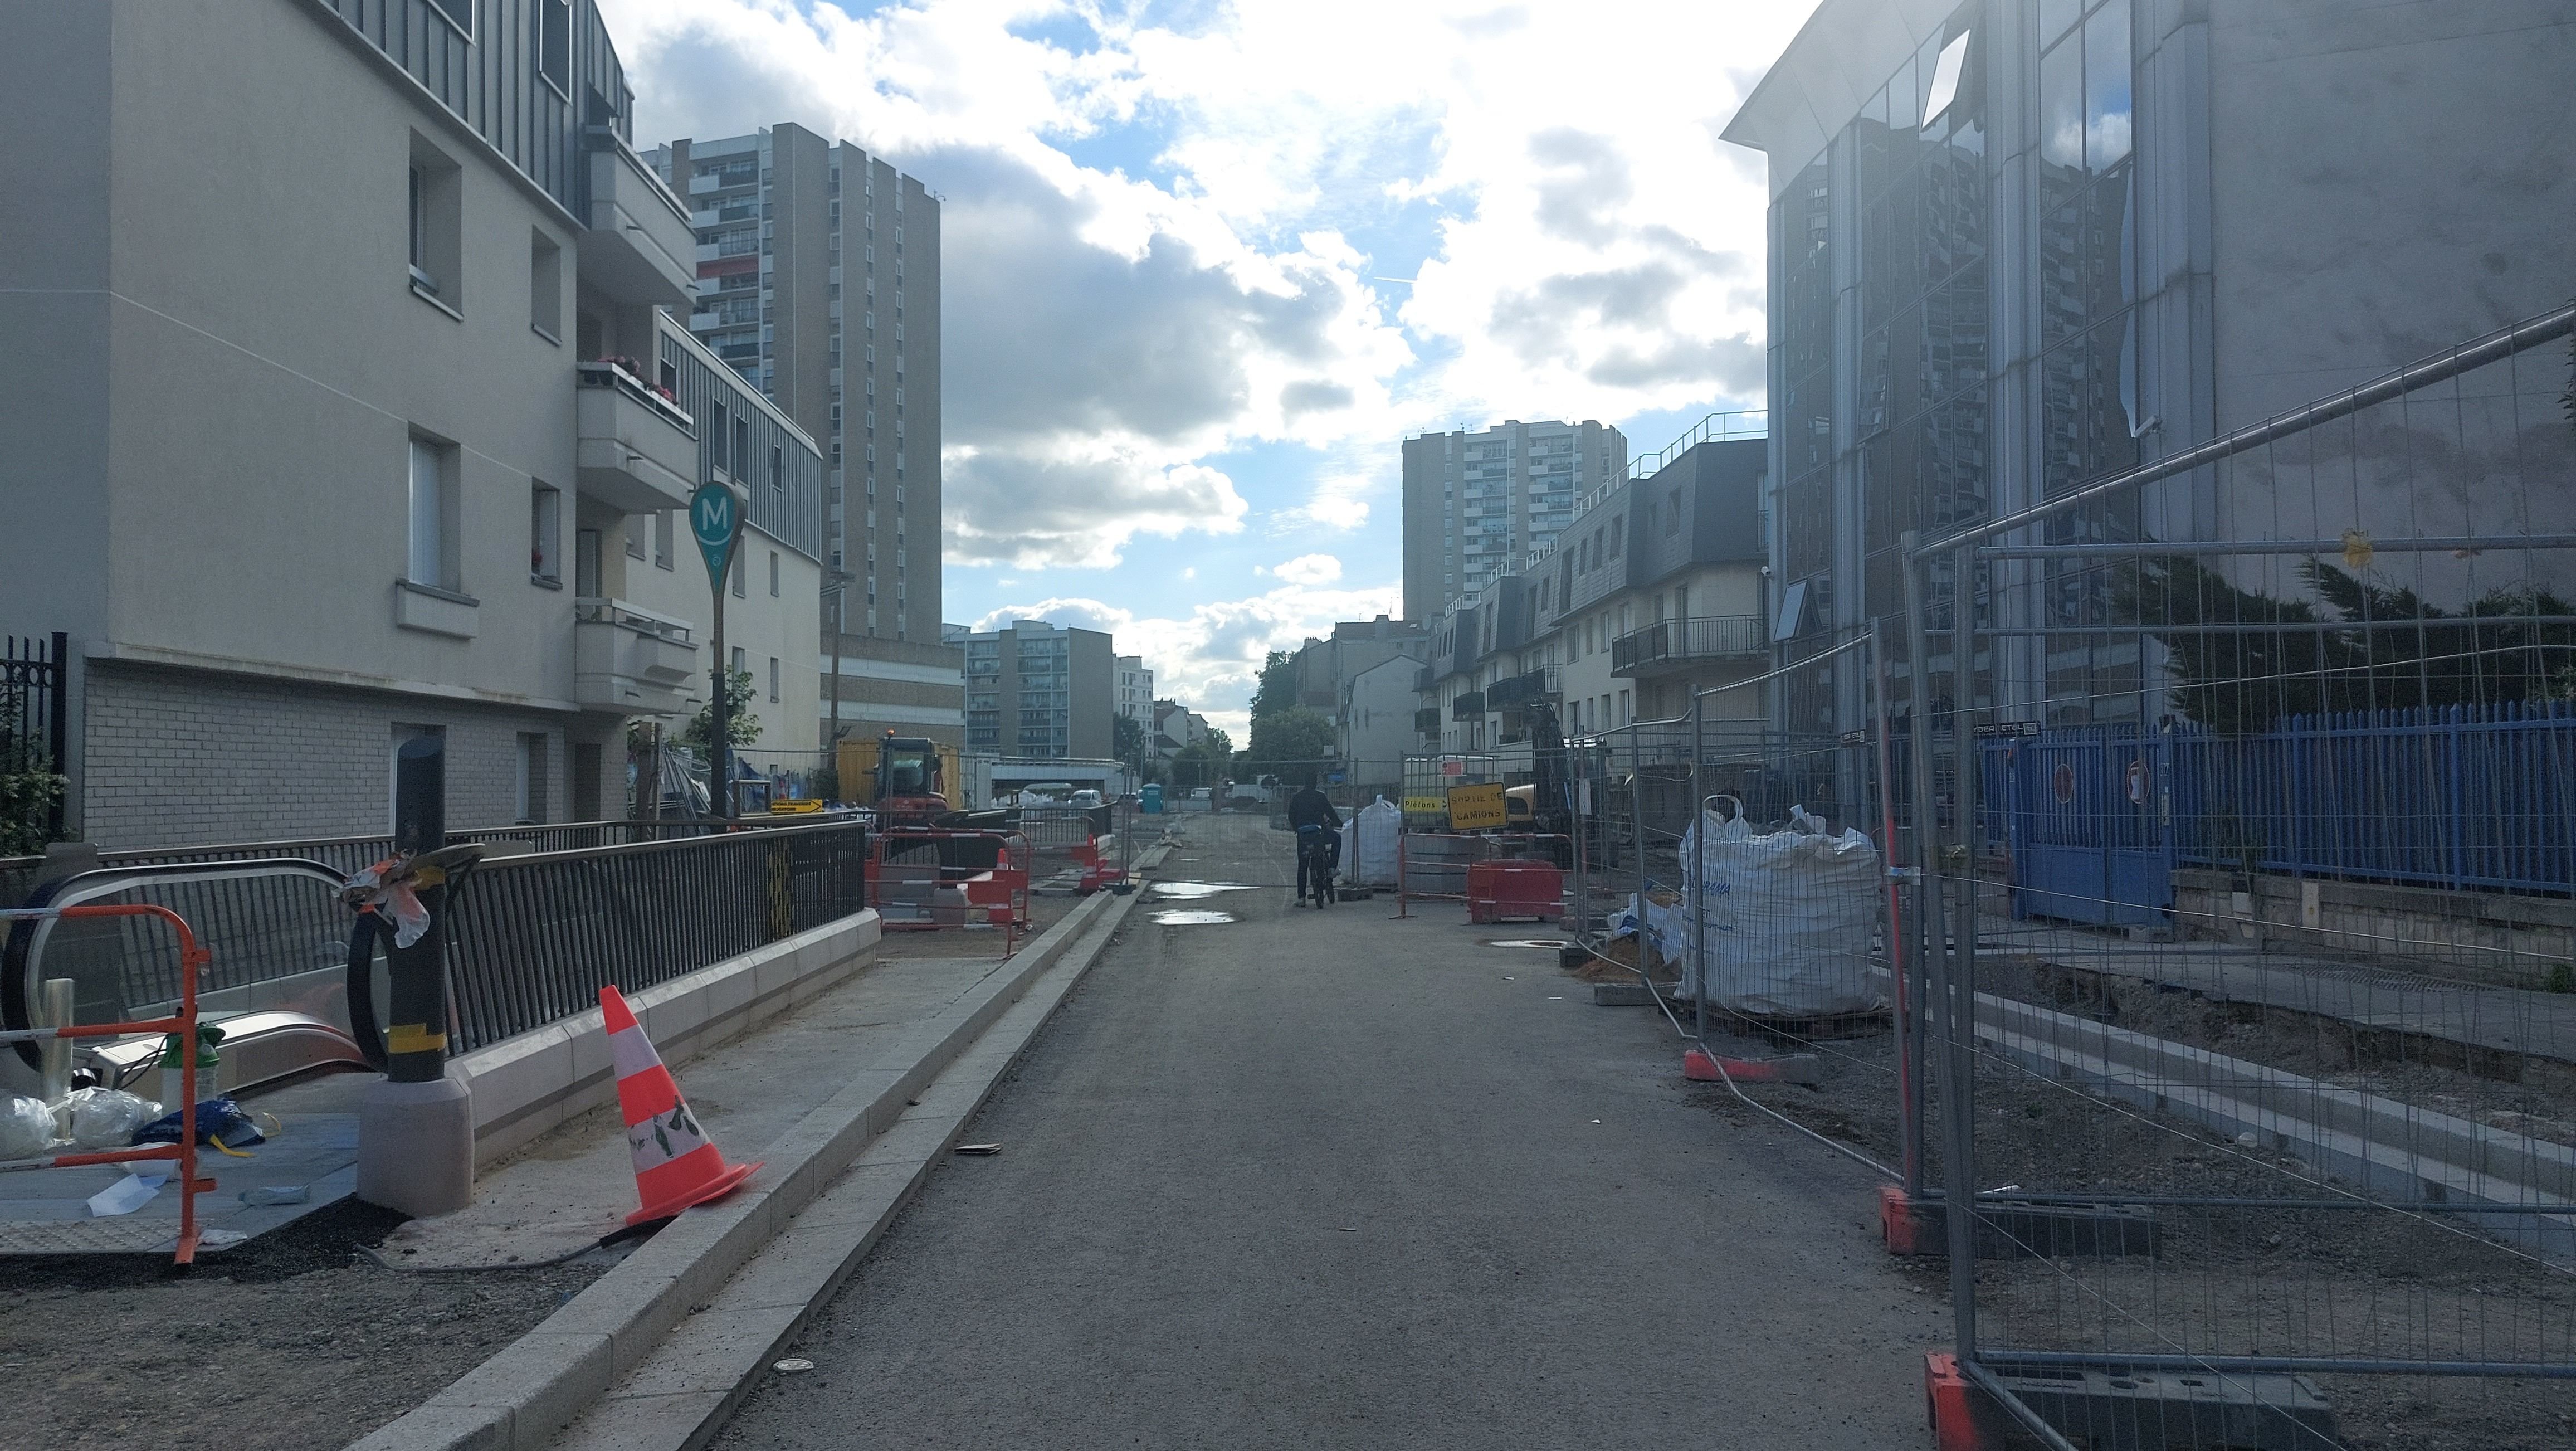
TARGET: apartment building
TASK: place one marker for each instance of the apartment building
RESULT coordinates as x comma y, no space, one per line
749,444
1654,593
1478,504
1176,728
2017,246
1325,667
1135,698
817,268
312,425
1039,690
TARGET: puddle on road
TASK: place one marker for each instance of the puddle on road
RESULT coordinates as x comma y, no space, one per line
1191,917
1549,943
1192,891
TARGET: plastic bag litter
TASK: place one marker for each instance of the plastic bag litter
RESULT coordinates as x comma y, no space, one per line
26,1128
219,1121
106,1118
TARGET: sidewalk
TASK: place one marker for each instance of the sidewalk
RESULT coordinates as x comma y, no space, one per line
576,1183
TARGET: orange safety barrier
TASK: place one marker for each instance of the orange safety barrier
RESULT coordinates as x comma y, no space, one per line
1490,849
192,957
1004,885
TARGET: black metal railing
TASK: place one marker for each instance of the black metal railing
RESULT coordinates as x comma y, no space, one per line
34,714
1714,637
534,938
1427,720
1468,706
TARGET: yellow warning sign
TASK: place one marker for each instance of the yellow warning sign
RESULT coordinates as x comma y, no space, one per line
1424,805
1477,808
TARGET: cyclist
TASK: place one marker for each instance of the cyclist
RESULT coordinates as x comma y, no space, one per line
1311,815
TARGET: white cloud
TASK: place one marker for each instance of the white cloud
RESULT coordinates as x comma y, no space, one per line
1592,250
1308,569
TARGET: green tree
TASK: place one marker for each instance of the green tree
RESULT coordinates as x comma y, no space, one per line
1277,690
741,726
1126,737
1219,744
29,787
1291,744
1196,765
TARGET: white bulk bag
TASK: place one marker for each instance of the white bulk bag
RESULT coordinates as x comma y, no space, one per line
1790,916
1374,828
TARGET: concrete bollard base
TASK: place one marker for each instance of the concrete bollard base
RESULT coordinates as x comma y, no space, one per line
416,1147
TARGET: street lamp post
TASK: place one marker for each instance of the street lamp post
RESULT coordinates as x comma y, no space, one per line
835,587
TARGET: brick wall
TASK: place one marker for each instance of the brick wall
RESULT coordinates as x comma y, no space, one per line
177,758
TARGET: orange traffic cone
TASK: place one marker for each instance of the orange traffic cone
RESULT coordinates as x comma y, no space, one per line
676,1166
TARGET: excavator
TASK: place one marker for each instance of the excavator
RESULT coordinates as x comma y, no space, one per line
904,779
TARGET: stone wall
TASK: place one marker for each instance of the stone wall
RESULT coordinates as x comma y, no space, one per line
2481,936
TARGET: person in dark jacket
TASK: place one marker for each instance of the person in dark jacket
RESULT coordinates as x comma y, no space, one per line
1311,809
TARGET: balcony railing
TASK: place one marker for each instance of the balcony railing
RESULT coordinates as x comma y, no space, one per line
619,374
1470,706
1670,644
600,610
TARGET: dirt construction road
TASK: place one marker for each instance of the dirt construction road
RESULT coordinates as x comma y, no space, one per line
1328,1179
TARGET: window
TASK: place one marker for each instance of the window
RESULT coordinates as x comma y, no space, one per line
773,577
432,559
545,535
773,680
737,663
777,469
717,437
665,524
554,44
738,591
436,226
742,460
532,777
585,563
635,536
545,287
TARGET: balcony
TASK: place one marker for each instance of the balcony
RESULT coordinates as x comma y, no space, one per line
638,247
1674,645
636,451
1426,722
1470,706
1423,679
630,661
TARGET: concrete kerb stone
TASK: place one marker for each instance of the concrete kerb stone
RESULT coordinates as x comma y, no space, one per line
768,1304
520,1398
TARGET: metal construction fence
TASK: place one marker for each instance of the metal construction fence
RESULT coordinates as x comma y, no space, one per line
2287,1141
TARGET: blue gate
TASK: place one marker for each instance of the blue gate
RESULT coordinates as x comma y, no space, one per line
2085,814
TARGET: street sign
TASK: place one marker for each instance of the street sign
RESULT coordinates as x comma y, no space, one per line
715,517
2007,730
1477,808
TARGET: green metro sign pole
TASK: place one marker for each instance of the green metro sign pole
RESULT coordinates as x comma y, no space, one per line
715,517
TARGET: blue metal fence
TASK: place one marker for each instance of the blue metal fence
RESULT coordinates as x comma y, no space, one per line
2470,797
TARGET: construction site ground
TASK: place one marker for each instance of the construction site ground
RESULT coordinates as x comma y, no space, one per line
292,1342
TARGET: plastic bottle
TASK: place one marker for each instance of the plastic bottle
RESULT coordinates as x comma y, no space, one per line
175,1096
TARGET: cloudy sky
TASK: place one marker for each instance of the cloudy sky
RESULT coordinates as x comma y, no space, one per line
1206,264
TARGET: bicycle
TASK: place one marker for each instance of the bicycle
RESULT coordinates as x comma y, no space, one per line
1316,850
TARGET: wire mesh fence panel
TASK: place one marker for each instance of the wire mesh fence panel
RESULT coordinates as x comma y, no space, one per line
2251,780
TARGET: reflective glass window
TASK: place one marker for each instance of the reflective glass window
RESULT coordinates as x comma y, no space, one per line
2106,85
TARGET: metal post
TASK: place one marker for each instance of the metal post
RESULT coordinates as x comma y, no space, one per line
1900,963
416,1128
1957,1170
1695,872
55,1010
1637,841
58,727
720,733
1960,1015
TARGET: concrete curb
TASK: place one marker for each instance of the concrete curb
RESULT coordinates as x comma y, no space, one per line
521,1398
